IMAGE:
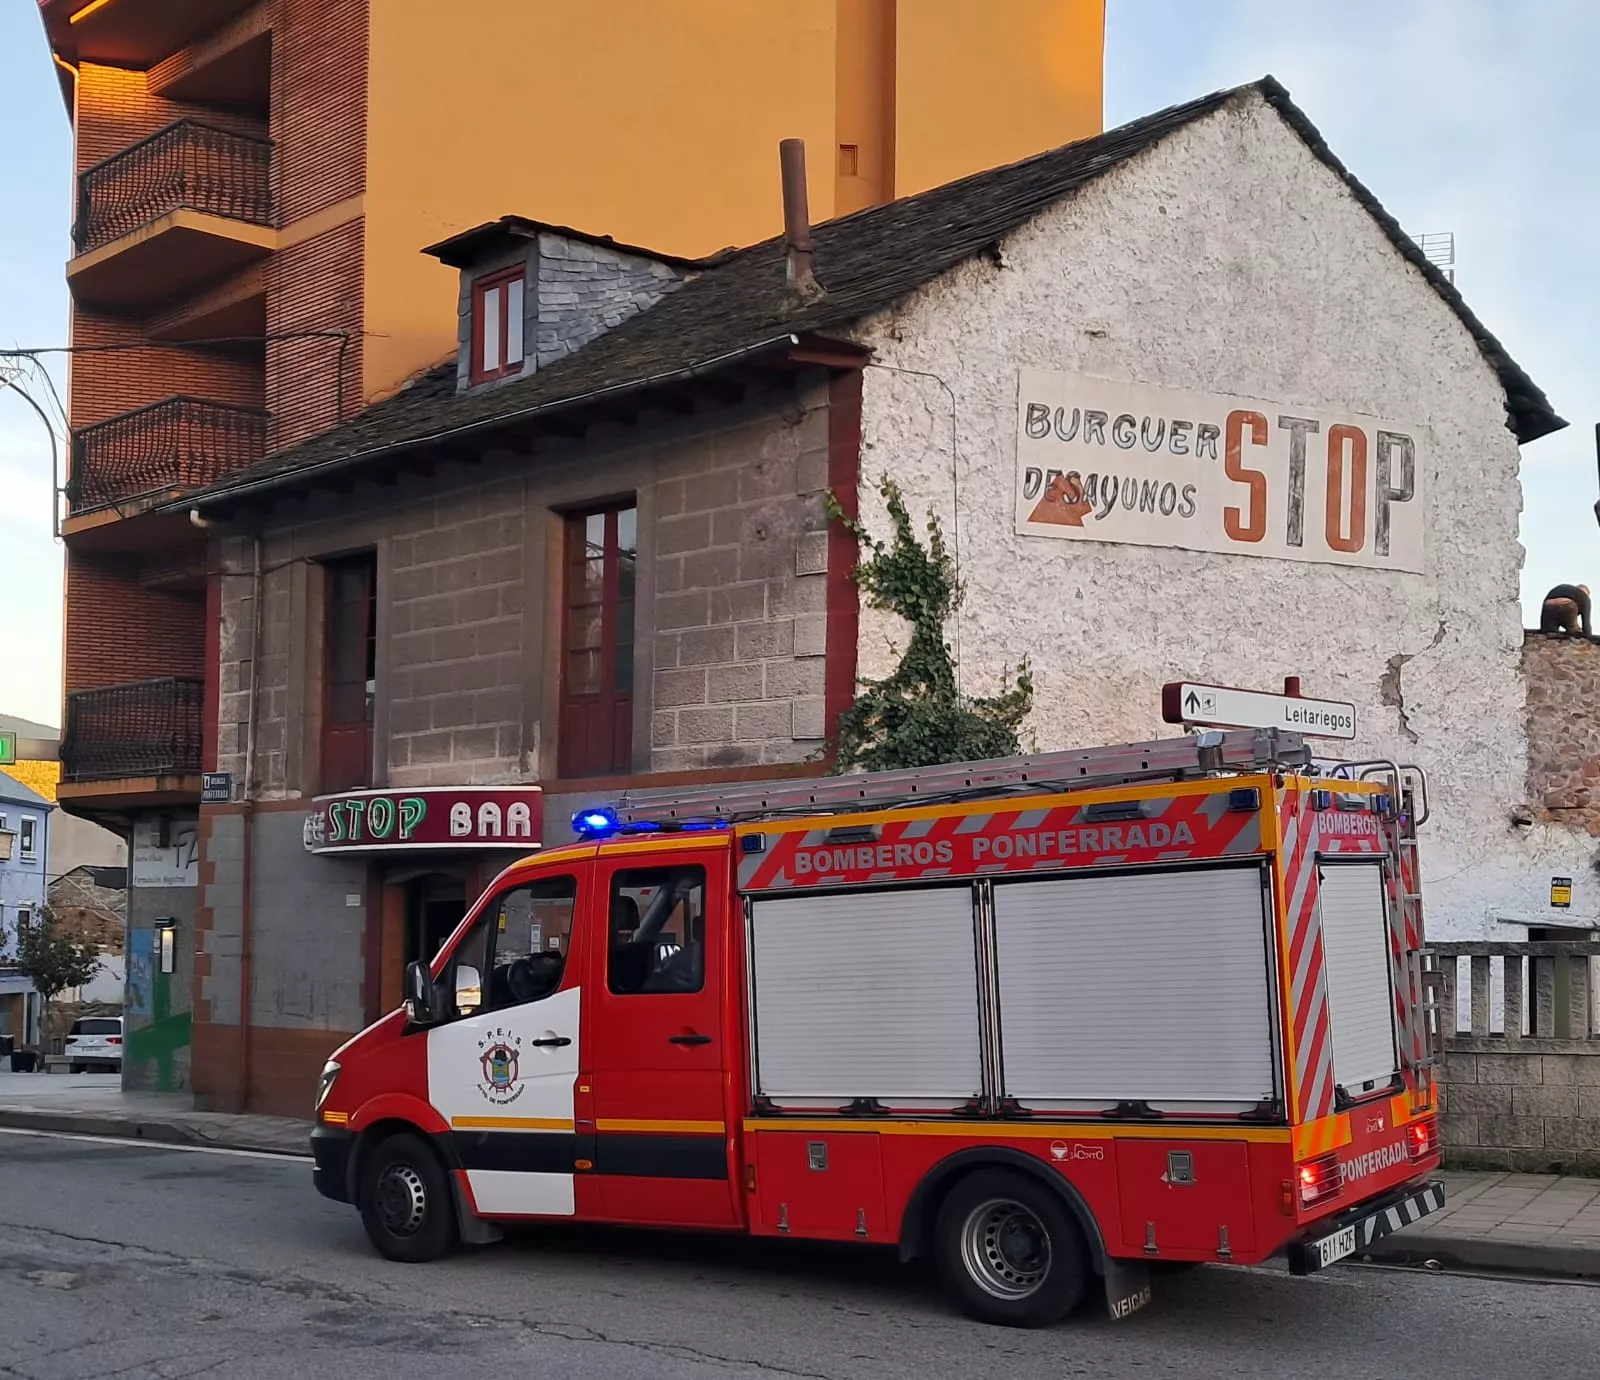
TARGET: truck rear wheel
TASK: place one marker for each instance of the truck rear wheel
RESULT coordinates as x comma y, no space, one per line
1010,1251
405,1200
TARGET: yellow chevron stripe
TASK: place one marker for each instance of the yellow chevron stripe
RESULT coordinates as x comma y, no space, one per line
1315,1138
510,1123
703,1128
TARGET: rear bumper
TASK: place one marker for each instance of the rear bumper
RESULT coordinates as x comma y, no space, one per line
1336,1238
330,1160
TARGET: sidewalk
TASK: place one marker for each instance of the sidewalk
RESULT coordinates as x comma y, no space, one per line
94,1104
1517,1223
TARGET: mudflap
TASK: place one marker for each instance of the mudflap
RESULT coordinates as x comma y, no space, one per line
473,1230
1127,1287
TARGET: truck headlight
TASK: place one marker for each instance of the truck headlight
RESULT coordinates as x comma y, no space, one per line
330,1071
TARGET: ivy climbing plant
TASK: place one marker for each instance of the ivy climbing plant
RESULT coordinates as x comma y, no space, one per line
917,717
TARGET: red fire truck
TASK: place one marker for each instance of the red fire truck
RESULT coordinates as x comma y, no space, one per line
1052,1021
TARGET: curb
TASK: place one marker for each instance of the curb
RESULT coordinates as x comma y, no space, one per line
161,1132
1548,1258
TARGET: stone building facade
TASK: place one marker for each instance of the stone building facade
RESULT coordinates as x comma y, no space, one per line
471,571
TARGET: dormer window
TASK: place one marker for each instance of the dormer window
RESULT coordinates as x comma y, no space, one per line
497,325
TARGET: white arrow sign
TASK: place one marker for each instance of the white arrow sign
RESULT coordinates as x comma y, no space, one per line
1221,705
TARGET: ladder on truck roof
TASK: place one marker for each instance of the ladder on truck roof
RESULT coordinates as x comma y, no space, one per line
1167,759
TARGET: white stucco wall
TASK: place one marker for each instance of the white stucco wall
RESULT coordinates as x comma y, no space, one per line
1226,260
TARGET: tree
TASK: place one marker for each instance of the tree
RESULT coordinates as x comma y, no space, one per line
917,717
54,959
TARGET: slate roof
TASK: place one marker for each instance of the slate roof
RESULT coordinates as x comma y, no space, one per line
13,792
739,305
462,250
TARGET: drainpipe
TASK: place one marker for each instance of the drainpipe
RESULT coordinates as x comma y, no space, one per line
248,847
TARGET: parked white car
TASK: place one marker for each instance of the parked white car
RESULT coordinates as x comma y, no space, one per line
95,1043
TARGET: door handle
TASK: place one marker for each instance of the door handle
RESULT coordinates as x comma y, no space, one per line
551,1042
689,1039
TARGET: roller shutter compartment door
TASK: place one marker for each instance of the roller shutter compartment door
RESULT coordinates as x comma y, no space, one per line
1149,987
867,995
1355,943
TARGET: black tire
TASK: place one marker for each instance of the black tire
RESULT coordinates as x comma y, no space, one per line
1010,1251
75,1068
405,1200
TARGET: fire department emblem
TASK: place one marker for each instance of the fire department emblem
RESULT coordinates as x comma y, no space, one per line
500,1056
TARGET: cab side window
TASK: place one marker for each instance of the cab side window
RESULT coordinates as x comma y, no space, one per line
532,937
657,930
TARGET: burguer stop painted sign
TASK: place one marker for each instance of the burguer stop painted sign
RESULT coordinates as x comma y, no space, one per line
1099,460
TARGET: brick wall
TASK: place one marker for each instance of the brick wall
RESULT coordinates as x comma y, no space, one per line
110,383
319,104
1536,1111
731,624
319,122
116,108
1563,680
118,631
315,285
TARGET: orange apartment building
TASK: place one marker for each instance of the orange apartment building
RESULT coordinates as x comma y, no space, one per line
255,181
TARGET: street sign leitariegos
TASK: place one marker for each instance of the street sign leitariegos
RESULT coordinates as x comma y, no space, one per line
1224,706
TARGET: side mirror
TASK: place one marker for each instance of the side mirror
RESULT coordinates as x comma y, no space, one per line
469,989
419,995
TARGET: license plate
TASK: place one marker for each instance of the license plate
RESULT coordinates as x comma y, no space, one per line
1335,1247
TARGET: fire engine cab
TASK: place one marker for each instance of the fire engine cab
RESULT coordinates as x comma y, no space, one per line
1053,1021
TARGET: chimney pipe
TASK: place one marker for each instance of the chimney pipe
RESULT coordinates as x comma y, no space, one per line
796,216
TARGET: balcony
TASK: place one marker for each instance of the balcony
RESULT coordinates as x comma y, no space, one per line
162,450
188,204
147,728
132,33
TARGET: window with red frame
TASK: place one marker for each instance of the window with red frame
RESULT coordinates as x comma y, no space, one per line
497,325
597,643
349,671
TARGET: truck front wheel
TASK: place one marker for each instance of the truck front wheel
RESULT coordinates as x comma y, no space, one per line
405,1201
1010,1251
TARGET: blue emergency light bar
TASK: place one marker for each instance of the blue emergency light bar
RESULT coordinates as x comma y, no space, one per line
601,823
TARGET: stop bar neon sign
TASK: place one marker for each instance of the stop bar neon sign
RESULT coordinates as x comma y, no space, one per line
1183,702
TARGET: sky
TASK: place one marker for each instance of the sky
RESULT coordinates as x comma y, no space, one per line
1464,116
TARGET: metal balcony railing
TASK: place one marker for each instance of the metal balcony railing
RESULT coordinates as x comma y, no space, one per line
178,443
143,728
188,165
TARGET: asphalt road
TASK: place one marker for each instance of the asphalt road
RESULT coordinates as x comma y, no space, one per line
140,1261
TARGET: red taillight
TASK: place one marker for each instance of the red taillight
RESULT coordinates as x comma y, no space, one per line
113,1039
1320,1179
1424,1138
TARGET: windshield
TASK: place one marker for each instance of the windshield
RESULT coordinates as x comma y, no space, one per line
102,1026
